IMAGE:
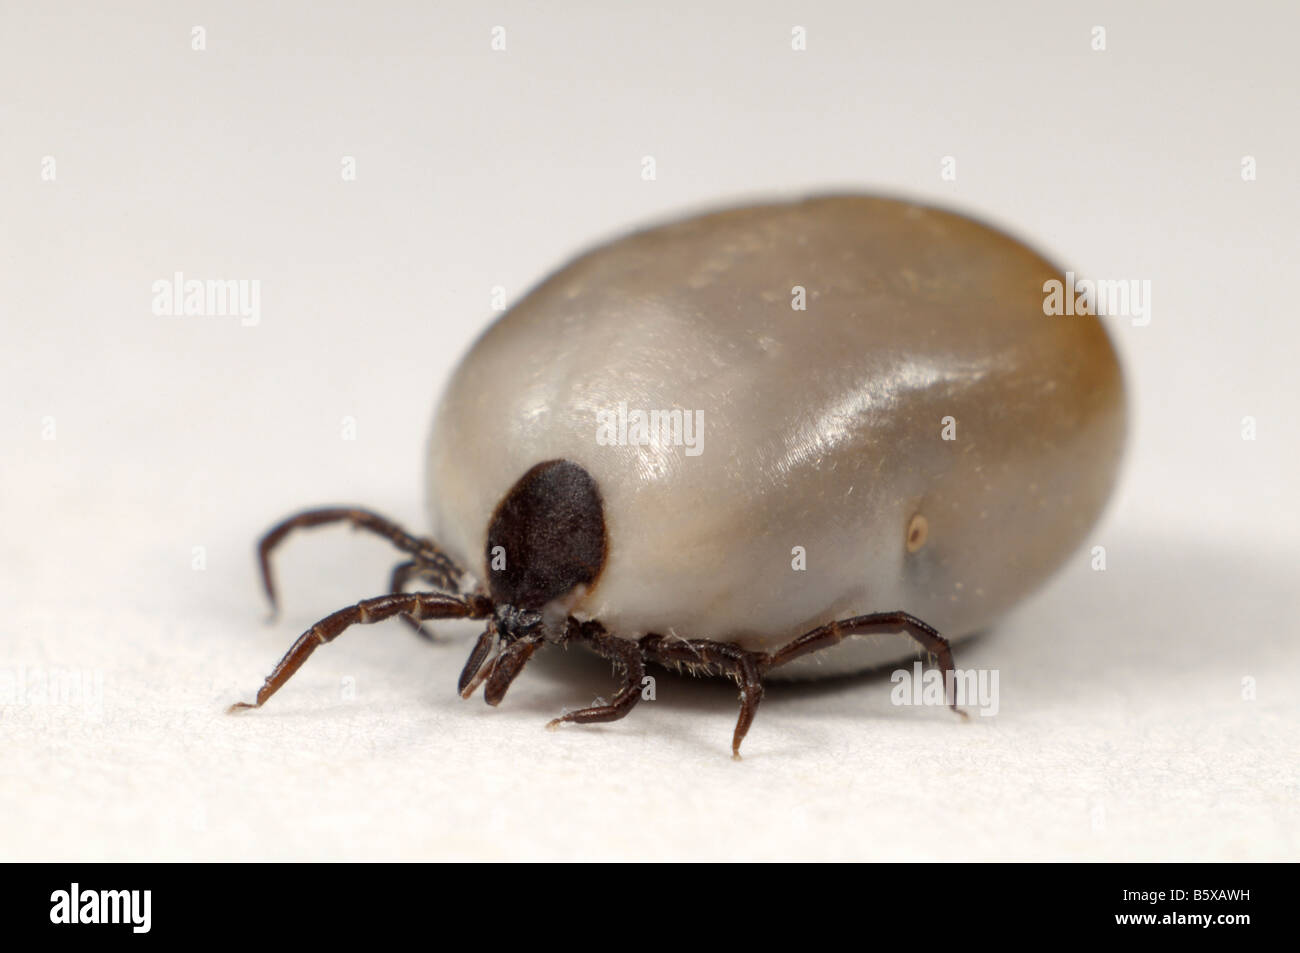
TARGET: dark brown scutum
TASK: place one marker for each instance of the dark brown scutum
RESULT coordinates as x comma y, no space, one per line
550,527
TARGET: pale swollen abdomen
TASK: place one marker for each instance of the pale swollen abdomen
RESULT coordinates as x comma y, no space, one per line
919,435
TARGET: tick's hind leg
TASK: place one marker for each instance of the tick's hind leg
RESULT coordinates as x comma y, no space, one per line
419,605
877,623
715,658
625,654
434,564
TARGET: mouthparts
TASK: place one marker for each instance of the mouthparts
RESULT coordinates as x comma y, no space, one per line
497,662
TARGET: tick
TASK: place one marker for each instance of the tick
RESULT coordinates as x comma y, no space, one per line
740,444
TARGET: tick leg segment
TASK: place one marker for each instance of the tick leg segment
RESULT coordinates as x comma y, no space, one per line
403,573
877,623
436,565
419,605
701,656
626,655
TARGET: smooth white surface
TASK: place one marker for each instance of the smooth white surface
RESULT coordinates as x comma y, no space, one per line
1123,732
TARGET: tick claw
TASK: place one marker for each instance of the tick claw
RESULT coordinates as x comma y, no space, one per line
554,724
239,706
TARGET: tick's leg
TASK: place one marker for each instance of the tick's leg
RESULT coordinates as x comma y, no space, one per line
749,676
436,565
403,573
420,605
877,623
716,658
626,655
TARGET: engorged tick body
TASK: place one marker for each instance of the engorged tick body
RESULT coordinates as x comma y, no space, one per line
873,424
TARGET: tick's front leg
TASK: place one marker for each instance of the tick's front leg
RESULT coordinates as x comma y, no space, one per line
419,605
433,563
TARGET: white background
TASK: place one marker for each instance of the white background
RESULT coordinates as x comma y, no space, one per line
1123,733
